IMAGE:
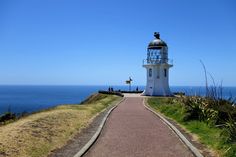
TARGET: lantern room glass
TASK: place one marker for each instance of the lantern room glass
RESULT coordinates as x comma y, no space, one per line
153,55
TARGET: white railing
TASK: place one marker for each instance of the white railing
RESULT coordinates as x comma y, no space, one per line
157,61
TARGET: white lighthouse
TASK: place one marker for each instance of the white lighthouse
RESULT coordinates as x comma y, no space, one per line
157,65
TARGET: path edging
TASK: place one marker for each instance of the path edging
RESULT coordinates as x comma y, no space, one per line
194,150
86,147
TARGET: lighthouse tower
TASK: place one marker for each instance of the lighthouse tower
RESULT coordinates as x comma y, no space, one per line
157,65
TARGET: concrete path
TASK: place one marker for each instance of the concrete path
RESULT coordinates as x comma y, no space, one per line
133,131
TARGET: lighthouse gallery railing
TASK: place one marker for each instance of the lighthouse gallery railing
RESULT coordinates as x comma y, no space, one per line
157,61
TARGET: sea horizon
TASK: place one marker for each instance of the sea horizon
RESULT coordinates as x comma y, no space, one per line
33,98
104,85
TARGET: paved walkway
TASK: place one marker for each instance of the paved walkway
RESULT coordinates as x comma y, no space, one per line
133,131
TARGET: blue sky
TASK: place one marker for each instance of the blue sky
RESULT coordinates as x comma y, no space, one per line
91,42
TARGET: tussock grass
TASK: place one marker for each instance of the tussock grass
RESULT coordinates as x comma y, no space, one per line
40,133
209,135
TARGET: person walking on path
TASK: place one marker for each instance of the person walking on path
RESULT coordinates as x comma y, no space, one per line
133,131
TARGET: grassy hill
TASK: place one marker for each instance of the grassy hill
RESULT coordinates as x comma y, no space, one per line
40,133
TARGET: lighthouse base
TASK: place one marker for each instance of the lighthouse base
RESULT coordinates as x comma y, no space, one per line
163,93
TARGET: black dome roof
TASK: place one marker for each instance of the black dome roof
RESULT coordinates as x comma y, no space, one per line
156,43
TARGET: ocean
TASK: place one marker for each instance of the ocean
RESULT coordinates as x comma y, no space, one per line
18,99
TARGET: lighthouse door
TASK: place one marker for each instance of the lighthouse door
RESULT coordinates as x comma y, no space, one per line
151,91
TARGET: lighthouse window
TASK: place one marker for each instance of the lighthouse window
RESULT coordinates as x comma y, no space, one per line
150,72
165,72
158,73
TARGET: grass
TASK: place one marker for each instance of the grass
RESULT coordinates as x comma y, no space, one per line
40,133
208,135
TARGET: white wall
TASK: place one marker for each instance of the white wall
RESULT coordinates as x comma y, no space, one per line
155,85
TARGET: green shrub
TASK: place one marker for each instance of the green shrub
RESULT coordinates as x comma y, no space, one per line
215,112
7,117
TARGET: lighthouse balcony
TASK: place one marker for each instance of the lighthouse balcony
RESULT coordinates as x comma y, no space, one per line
157,61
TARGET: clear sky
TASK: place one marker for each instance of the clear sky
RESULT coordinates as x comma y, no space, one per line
103,42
